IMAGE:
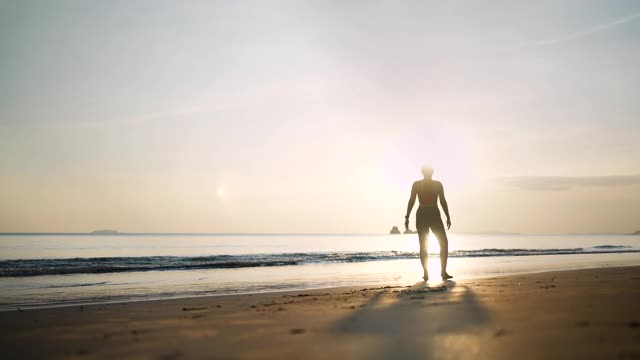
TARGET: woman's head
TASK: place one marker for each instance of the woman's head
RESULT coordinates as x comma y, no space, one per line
427,171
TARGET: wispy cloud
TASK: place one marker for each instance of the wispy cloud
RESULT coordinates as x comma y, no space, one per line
561,183
305,88
586,32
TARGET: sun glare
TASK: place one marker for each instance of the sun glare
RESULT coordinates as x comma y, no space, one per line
449,150
220,192
433,247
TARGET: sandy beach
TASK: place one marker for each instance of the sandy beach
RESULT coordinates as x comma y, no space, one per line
272,180
569,314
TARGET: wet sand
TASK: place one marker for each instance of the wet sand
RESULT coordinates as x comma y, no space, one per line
591,313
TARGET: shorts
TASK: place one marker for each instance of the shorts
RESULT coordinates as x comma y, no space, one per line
428,217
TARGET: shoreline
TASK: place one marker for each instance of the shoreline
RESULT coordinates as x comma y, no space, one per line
589,313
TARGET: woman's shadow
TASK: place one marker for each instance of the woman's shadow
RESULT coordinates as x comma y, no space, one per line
407,324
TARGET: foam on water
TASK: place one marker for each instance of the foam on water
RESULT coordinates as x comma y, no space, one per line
97,265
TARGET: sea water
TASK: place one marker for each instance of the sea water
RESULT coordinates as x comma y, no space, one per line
41,270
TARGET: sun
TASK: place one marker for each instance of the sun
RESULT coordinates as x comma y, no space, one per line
220,192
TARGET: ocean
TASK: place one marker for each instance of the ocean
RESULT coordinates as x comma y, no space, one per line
45,270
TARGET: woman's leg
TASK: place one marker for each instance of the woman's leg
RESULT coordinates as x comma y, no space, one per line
423,233
441,235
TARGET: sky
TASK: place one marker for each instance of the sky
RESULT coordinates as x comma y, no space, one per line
316,116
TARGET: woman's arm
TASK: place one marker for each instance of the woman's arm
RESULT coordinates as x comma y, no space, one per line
445,206
412,201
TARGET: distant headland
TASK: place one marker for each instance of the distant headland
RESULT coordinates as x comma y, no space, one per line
105,232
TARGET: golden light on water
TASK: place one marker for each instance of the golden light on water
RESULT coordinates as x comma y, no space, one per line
433,247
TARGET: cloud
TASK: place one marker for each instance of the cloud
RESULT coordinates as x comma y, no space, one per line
307,87
561,183
586,32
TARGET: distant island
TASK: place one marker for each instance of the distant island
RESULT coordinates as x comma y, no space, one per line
105,232
635,233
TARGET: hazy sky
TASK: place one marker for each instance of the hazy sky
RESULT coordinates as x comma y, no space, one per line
315,116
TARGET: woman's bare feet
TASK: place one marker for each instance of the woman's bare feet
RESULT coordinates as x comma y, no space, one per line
426,277
446,276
